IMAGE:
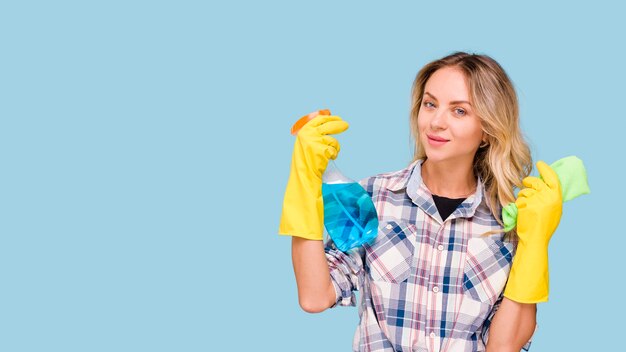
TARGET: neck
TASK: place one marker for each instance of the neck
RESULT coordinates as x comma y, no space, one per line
450,179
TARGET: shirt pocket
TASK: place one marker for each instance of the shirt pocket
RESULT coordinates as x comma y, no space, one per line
389,257
487,265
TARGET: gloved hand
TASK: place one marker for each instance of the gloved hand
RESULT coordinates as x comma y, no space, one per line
573,179
303,206
539,212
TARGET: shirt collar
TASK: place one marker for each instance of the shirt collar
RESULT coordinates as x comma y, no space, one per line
410,179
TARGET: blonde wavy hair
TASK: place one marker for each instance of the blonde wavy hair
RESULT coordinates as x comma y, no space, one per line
506,159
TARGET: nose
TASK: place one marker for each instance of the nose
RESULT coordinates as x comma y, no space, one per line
438,121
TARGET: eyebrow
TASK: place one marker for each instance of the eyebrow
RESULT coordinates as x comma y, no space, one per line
452,102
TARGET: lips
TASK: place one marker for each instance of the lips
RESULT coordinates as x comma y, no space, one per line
438,139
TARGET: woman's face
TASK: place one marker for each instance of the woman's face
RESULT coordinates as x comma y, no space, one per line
448,126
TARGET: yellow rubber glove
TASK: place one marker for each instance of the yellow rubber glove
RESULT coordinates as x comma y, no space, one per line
303,206
539,211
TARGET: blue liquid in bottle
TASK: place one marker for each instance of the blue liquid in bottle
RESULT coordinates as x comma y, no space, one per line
350,217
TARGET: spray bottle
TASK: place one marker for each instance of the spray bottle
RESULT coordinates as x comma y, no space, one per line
350,217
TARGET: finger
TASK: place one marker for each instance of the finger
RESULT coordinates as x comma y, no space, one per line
521,202
333,147
527,193
331,153
534,182
328,140
332,127
549,176
322,119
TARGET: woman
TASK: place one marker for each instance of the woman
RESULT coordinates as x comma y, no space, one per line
434,278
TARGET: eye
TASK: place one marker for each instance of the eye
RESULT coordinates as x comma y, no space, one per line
428,104
460,111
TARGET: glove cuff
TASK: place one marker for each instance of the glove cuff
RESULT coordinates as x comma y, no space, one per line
529,279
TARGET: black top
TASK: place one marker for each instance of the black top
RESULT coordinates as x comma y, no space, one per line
445,206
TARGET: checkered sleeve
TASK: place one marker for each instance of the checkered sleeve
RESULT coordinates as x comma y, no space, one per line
484,334
346,273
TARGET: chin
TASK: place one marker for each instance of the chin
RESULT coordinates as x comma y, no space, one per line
436,159
436,156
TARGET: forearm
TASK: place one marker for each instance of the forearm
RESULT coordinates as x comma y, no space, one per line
512,326
315,290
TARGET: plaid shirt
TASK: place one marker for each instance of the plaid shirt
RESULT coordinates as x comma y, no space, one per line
426,284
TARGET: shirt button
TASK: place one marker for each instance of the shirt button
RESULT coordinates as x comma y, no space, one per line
436,289
432,335
440,247
389,227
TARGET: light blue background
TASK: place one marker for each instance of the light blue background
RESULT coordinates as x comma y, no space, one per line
145,150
